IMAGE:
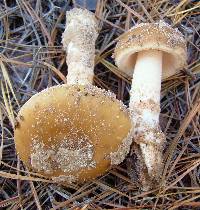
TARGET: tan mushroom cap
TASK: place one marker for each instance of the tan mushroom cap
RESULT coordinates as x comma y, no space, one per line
72,133
157,36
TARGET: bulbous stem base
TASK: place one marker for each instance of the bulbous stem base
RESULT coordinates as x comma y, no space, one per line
79,42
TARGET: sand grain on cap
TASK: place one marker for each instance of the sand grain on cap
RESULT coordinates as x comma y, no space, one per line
152,36
160,31
67,131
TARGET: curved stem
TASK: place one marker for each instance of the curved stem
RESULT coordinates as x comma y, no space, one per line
145,107
79,42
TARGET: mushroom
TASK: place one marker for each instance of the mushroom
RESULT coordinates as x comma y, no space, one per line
76,131
149,52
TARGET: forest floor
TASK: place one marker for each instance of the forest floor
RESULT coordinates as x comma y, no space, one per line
32,58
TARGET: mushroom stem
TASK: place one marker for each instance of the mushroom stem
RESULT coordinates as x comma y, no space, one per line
79,42
146,82
145,106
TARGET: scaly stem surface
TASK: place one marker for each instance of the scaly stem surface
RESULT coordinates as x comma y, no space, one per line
145,107
79,42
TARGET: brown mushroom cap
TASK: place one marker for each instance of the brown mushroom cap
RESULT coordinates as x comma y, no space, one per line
72,133
157,36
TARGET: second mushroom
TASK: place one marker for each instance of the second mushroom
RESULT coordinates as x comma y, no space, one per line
149,52
76,131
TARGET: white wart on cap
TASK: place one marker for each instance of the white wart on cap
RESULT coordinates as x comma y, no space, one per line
146,36
73,133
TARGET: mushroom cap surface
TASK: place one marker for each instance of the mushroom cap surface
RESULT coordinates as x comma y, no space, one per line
156,36
72,133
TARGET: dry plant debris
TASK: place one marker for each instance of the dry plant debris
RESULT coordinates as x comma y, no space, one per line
31,59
